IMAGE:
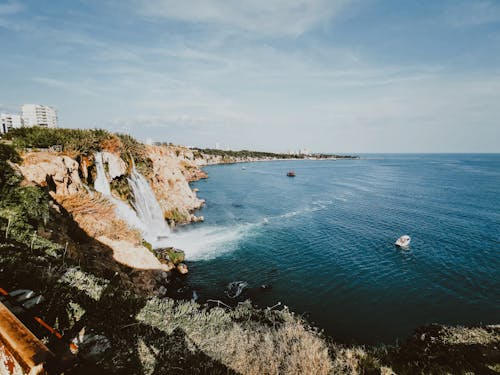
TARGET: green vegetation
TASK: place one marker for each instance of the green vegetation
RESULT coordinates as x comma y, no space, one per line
74,140
120,186
175,255
22,209
230,155
174,216
147,245
80,142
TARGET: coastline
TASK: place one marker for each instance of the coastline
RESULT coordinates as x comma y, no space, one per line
76,255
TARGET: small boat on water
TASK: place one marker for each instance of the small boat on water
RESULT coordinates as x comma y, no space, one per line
291,174
403,241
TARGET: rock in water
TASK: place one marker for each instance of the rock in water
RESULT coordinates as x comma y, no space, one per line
182,268
170,254
176,256
235,288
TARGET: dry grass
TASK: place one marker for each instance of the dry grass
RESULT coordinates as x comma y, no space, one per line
285,347
349,360
113,145
289,349
469,336
96,216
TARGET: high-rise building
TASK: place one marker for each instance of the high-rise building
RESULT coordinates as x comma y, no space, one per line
9,121
39,115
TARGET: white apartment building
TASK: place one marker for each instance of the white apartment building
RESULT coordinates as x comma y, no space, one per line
9,121
39,115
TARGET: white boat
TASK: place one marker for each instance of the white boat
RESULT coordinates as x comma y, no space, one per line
403,241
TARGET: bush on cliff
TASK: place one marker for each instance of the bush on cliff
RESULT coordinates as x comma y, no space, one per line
22,208
78,141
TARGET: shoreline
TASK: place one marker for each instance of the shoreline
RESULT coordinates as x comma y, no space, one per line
65,243
350,340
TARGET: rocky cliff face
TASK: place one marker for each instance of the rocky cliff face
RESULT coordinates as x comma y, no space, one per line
171,173
69,182
59,172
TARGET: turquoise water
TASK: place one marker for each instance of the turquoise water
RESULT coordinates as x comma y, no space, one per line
323,241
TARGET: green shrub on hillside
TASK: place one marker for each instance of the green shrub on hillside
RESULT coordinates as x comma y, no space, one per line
22,208
8,177
77,140
83,142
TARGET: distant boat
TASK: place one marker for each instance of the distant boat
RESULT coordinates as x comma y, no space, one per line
403,241
243,168
291,174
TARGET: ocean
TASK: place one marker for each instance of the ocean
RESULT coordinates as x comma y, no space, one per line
322,243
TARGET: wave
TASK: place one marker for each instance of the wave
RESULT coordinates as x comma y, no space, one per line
315,206
208,242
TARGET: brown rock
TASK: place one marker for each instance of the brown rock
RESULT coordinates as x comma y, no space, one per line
182,268
116,166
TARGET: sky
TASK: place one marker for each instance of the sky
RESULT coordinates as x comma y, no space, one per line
347,76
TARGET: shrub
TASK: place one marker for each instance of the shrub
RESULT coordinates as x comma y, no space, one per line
73,140
175,216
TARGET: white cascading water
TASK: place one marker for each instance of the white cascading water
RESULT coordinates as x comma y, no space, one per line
200,243
149,218
148,209
101,183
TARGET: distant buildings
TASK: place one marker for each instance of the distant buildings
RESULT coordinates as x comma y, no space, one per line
39,115
9,121
31,115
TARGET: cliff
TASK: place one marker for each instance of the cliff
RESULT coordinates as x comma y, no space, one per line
69,176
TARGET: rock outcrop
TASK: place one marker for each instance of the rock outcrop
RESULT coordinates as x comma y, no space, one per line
66,179
59,171
116,166
170,184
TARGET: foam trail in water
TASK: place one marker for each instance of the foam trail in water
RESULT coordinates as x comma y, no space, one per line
208,242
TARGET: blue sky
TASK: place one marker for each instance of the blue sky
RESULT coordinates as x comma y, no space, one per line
329,75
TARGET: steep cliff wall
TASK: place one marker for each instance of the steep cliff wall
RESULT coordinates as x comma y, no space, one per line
171,173
69,178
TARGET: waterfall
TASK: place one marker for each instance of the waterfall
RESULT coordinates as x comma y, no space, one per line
147,207
149,216
101,183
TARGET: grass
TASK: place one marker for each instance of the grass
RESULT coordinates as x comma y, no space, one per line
96,216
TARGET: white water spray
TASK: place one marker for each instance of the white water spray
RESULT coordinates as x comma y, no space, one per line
101,183
147,208
148,218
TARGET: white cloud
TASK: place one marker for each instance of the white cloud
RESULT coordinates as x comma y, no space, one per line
7,12
10,8
473,13
77,87
273,17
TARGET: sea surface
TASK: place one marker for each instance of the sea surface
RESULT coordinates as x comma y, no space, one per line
323,242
